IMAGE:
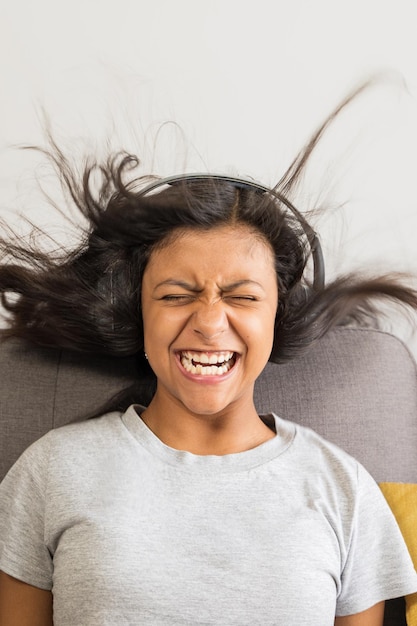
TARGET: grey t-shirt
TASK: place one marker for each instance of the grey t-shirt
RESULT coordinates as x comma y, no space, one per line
126,530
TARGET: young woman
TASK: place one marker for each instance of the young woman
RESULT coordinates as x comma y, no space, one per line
185,506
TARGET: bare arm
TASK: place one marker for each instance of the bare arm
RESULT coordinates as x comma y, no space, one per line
371,617
22,604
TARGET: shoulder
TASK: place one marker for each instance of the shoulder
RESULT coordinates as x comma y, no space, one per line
352,496
68,444
326,467
314,451
97,429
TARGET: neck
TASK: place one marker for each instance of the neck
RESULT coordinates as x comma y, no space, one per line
233,430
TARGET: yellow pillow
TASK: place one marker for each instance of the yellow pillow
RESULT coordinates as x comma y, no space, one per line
402,498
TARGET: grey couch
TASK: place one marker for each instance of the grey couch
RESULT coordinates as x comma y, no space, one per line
356,387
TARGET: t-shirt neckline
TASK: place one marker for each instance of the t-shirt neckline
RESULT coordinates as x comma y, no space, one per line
182,459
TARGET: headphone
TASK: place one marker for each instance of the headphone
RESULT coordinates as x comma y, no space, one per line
240,183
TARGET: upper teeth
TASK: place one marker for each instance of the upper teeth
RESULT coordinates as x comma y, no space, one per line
211,359
214,364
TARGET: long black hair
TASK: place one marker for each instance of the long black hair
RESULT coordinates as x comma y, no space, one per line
89,299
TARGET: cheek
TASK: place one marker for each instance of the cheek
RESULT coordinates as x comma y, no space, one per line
267,329
152,330
258,332
160,328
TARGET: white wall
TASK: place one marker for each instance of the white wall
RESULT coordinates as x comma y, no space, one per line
246,82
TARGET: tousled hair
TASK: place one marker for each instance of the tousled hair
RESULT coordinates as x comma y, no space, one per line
89,299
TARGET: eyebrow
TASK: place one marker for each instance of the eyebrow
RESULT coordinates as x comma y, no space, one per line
193,288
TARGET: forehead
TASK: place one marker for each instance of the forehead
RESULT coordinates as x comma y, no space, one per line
224,250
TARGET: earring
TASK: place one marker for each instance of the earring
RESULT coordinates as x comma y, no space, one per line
146,356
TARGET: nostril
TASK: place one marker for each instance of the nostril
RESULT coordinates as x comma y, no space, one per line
209,334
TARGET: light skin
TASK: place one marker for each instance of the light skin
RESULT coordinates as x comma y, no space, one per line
209,300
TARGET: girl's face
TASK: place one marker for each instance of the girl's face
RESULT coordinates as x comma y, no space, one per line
209,301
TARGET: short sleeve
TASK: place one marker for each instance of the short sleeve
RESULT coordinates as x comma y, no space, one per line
378,566
23,553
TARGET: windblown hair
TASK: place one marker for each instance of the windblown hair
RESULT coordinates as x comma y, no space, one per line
90,299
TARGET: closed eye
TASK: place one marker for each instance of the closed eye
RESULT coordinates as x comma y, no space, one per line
177,298
243,299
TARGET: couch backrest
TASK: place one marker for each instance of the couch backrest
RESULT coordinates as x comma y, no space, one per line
356,387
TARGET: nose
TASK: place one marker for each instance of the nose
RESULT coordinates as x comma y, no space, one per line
210,320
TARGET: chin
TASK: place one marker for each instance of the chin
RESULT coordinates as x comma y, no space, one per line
209,408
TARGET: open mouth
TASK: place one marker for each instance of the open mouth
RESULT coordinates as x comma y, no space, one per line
208,364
